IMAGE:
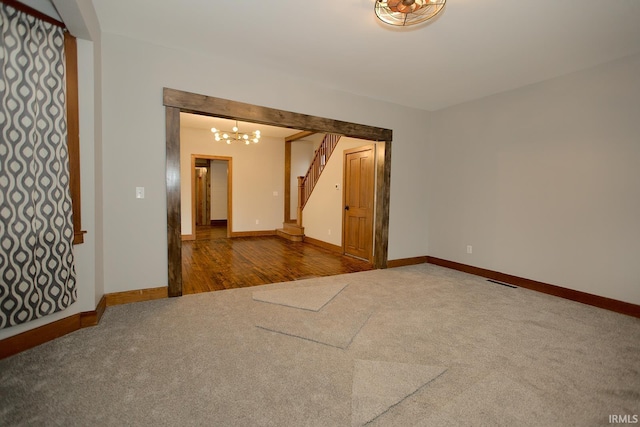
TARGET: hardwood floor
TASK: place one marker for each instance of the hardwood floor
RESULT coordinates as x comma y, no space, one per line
207,232
221,263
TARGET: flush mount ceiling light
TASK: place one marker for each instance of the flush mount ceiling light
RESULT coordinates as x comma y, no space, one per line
235,135
403,13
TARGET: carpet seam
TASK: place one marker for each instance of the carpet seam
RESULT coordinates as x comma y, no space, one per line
359,329
334,297
302,308
405,398
302,338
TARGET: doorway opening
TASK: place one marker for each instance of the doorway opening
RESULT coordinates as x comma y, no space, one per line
211,196
176,101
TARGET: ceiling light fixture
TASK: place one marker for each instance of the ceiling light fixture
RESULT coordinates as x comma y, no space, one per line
235,135
407,12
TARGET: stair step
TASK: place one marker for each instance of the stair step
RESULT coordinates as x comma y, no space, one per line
289,236
293,228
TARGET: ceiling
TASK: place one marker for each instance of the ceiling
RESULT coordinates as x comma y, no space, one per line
474,48
205,122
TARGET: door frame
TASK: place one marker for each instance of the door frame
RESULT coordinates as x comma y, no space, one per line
176,101
367,147
229,161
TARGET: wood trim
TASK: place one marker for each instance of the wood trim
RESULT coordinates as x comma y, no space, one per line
138,295
201,104
406,261
49,332
325,245
174,225
570,294
33,12
299,135
187,237
254,233
229,161
35,337
193,195
176,101
92,318
287,180
73,134
40,335
382,194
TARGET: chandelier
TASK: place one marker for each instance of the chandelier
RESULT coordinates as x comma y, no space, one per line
407,12
235,135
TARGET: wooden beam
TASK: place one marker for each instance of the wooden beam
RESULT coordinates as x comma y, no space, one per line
219,107
287,180
383,192
299,135
174,226
73,134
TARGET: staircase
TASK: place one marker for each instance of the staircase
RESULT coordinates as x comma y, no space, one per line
294,231
291,231
307,183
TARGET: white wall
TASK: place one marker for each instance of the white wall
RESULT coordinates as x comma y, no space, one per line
134,73
257,172
543,181
322,215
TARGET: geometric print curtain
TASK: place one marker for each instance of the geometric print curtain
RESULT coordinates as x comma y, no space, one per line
37,273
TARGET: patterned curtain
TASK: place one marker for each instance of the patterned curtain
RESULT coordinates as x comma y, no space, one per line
37,273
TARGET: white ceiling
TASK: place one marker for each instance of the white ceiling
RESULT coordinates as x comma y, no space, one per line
206,122
474,48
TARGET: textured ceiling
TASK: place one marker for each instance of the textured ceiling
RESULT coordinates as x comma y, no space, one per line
474,48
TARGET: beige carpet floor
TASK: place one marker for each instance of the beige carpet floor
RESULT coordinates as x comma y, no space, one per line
411,346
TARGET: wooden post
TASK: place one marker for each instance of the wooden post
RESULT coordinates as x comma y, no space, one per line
300,196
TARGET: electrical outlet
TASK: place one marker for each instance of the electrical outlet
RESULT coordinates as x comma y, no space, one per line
329,232
275,193
257,221
469,249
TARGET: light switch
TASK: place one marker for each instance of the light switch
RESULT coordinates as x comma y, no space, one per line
139,192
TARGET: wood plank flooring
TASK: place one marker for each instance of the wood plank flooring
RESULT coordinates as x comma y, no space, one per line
212,264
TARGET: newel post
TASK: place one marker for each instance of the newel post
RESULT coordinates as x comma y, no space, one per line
300,200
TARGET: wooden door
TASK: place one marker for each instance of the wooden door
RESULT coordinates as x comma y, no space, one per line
200,196
357,224
203,195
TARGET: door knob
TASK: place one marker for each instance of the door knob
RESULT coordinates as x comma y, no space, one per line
346,208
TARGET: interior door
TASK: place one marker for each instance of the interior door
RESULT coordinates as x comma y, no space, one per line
201,198
357,224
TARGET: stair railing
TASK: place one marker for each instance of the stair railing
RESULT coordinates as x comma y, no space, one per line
307,183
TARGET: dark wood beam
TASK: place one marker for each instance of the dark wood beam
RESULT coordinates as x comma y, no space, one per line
201,104
299,135
174,226
383,193
287,180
